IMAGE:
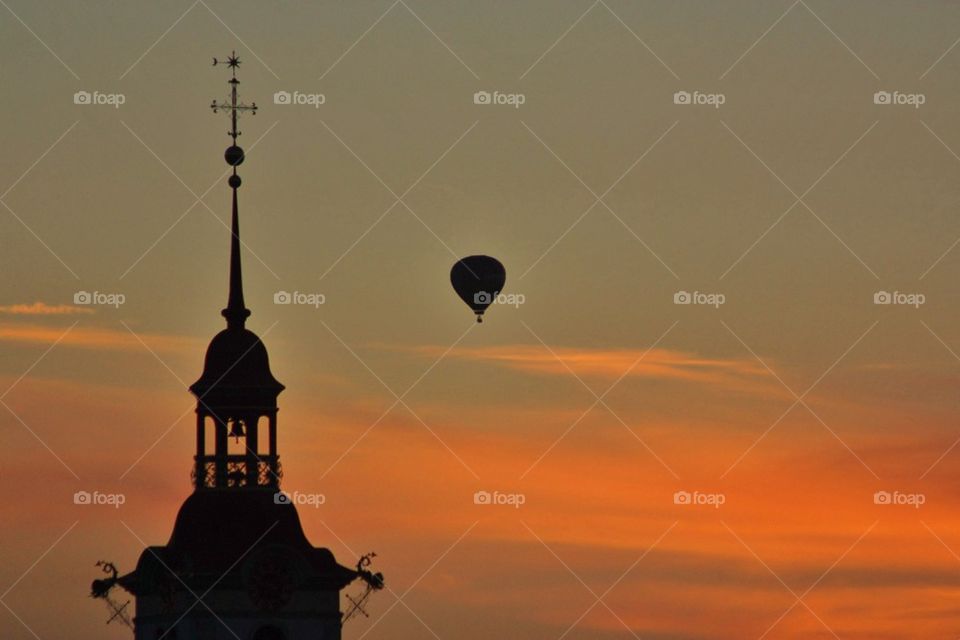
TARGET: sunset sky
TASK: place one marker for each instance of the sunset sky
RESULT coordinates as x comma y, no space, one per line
796,197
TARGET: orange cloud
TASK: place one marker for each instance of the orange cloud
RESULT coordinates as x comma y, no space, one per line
613,363
44,309
94,338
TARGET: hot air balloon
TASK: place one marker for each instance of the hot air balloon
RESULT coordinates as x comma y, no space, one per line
478,281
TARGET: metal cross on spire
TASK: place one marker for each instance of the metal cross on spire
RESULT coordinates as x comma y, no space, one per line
233,107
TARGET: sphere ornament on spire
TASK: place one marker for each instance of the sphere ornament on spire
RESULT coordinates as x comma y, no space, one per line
233,155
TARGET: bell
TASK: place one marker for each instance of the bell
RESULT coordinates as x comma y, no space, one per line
236,428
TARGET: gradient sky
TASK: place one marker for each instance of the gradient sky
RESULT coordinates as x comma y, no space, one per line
597,399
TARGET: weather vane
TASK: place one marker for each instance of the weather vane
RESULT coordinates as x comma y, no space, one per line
373,582
234,154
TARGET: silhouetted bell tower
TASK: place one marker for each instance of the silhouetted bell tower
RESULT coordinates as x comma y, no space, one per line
238,564
236,394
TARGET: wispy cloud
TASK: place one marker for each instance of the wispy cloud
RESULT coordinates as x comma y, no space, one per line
118,339
611,363
44,309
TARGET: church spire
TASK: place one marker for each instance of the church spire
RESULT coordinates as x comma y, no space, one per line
236,311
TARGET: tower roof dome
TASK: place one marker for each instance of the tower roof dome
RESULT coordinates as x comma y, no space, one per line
236,364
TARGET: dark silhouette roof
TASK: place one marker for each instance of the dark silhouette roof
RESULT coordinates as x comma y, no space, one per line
237,365
218,533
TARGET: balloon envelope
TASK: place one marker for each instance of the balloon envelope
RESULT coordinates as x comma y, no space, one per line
478,280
